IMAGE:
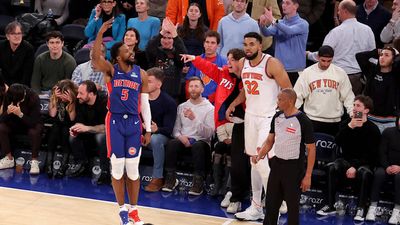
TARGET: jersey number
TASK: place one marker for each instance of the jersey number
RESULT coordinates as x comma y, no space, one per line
124,94
252,87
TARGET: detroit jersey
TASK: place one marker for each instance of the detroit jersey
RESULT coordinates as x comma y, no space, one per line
261,91
124,91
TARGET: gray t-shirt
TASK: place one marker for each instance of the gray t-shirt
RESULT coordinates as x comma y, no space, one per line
291,135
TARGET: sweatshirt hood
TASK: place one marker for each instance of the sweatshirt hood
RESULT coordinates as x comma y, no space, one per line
241,19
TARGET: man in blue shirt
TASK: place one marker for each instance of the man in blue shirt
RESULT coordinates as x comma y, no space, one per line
211,42
163,112
290,35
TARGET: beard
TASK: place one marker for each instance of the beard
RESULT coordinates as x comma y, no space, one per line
251,57
130,62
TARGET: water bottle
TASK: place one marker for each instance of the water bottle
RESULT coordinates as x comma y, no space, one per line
50,14
340,208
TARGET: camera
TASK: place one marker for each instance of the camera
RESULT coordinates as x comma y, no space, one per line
358,115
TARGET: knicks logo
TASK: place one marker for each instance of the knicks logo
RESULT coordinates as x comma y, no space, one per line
132,151
206,79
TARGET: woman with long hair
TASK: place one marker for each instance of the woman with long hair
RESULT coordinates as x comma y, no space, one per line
132,40
62,104
193,29
104,11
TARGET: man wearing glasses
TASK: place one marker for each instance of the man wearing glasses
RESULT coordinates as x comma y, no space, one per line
16,58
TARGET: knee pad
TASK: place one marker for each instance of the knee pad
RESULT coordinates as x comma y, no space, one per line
132,168
117,167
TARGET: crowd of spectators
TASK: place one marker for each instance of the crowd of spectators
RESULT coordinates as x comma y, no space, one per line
341,58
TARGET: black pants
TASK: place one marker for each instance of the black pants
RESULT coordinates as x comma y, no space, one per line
12,127
380,176
362,182
222,148
327,128
83,143
293,76
200,150
59,135
284,184
240,168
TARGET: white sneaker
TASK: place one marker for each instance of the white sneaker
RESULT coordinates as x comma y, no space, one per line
253,213
283,208
227,200
34,167
6,163
395,218
359,215
234,207
371,214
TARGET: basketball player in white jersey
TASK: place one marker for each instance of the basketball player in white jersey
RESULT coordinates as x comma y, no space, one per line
263,77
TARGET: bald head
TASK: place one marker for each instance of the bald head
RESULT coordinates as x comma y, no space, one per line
290,94
349,6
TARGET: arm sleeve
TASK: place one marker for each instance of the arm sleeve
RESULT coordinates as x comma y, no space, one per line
307,129
302,90
77,75
155,28
208,68
387,33
347,95
146,112
28,67
206,128
70,66
367,68
299,28
36,75
172,11
151,51
269,31
219,12
178,123
90,29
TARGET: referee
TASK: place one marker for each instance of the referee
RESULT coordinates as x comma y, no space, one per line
291,132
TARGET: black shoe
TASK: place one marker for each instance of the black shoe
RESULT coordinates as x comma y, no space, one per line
61,172
105,178
170,182
75,170
49,170
326,211
198,184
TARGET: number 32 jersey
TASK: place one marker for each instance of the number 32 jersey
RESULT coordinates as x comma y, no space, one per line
261,90
124,91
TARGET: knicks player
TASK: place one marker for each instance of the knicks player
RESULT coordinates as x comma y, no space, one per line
263,76
126,83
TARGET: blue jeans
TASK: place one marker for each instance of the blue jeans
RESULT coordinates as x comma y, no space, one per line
157,143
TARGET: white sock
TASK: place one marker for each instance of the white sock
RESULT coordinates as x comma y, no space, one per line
256,186
122,208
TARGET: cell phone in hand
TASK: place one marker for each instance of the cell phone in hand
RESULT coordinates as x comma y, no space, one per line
358,115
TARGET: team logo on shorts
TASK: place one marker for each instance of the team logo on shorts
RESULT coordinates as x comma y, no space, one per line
132,150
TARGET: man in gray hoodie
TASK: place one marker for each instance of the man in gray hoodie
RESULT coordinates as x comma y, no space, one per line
194,127
234,26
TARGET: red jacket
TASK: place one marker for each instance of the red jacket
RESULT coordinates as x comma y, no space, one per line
177,9
226,84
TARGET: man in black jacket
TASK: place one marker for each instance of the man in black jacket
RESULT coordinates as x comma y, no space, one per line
389,169
21,114
380,68
359,139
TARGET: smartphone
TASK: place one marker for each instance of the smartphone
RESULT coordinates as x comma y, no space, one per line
358,115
